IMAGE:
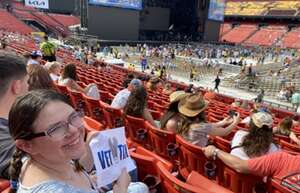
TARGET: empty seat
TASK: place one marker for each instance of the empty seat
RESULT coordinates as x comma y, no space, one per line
200,181
113,116
77,101
288,146
136,131
170,184
163,142
94,109
191,157
92,125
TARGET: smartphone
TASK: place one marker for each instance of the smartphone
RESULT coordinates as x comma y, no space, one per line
232,113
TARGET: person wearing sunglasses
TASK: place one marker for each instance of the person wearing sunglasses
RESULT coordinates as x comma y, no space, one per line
49,138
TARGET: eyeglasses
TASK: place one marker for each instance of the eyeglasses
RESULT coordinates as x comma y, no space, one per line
59,130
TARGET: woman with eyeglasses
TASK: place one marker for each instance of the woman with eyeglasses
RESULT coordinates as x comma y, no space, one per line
49,136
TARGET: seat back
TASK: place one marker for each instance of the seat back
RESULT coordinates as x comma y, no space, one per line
191,157
156,115
288,146
136,130
274,186
4,184
94,109
106,96
170,184
222,144
201,181
237,182
91,124
278,137
113,117
77,100
146,162
62,89
161,140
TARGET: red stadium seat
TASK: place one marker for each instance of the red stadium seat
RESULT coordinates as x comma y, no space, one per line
94,109
146,162
113,117
136,131
161,140
91,124
223,144
237,182
288,146
200,181
62,89
3,184
155,114
278,137
77,101
170,184
106,96
274,186
191,157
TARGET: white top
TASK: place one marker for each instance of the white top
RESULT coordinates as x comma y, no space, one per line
120,99
32,62
63,82
54,77
239,152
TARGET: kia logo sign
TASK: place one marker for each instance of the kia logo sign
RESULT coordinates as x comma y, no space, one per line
44,4
37,3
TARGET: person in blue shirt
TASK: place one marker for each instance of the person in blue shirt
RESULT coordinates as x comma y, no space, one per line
143,62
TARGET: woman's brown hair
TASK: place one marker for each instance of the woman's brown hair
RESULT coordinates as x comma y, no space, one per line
258,141
170,112
137,102
285,126
185,122
39,78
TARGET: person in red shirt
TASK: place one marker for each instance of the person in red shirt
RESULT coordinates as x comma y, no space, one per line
279,164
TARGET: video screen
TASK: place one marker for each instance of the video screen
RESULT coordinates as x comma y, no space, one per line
127,4
216,10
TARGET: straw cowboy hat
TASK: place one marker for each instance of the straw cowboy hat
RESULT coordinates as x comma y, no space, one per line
192,105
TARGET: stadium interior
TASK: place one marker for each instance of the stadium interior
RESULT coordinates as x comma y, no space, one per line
240,57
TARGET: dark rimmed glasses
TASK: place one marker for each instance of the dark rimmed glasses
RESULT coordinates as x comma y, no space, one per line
60,129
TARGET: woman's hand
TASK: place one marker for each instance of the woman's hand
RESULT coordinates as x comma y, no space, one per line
227,121
209,151
236,118
122,183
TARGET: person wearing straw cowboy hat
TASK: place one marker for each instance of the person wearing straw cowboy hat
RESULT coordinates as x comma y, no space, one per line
170,118
192,125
